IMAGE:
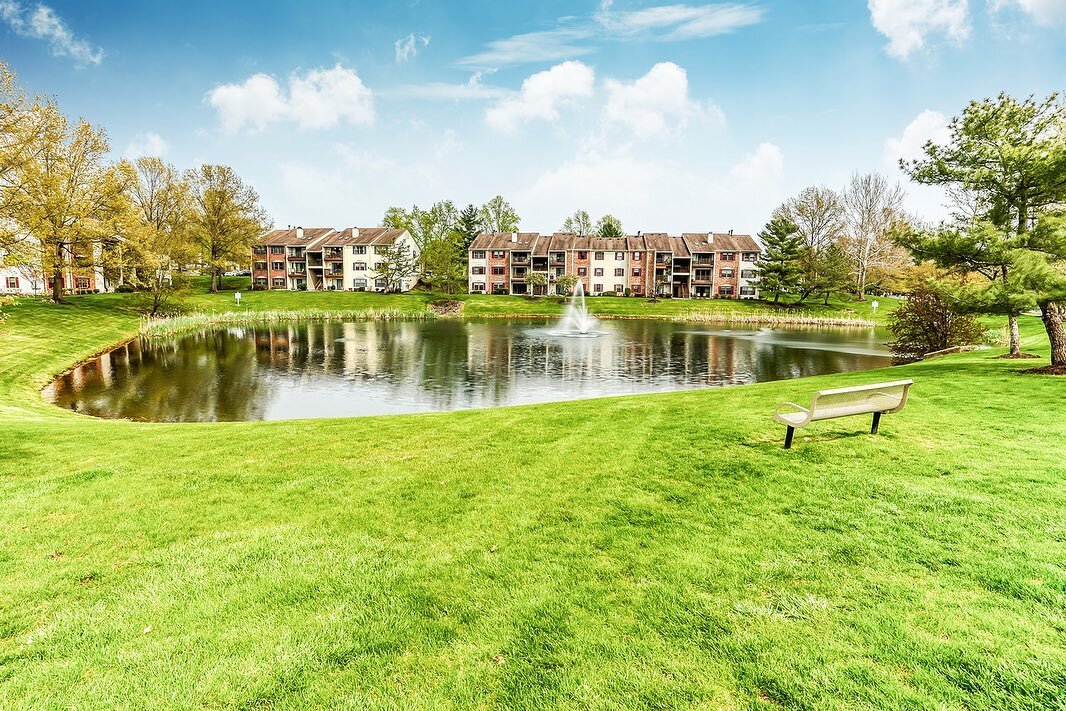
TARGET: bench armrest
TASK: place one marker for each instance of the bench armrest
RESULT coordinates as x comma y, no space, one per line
783,405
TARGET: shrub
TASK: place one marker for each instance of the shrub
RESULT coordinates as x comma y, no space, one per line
125,289
926,322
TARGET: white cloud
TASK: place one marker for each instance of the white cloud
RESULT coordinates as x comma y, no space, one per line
766,164
542,95
926,201
43,23
655,104
677,22
531,47
577,36
407,47
657,193
146,144
907,23
321,98
927,126
473,88
1044,12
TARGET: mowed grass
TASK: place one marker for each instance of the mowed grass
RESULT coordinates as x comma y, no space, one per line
656,551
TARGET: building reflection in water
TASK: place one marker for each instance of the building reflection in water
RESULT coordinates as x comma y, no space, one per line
365,368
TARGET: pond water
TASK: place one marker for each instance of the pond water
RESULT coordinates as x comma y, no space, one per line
301,370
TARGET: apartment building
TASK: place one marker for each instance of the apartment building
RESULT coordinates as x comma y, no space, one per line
327,259
698,265
81,274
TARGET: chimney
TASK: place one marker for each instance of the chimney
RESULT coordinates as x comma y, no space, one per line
730,232
355,232
514,236
638,233
299,233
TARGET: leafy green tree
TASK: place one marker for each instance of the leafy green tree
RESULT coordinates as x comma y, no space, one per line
609,226
780,267
444,263
1013,155
397,263
426,227
60,197
565,284
537,282
497,215
224,219
580,223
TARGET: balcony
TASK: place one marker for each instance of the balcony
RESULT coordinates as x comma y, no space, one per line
703,261
519,258
336,256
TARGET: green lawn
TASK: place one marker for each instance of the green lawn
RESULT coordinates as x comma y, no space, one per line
650,552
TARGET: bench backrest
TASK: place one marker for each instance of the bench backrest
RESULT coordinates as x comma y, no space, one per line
876,397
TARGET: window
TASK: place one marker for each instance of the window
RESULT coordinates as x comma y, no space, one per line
359,249
259,249
358,266
261,281
725,289
498,254
598,255
619,289
477,270
381,249
279,281
582,255
729,256
478,286
277,250
598,271
260,266
278,266
636,256
498,288
619,256
726,273
747,291
497,271
748,273
598,288
620,271
582,271
83,283
12,282
636,271
478,254
381,283
358,283
750,256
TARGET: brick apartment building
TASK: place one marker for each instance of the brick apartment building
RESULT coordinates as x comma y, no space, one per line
326,259
694,265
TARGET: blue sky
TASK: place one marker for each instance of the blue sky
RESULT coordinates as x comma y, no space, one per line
676,117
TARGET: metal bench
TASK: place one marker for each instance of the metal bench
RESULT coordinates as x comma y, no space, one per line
877,399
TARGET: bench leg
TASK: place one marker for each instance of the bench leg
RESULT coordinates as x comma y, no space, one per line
788,437
877,422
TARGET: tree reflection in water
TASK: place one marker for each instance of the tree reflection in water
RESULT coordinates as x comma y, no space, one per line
365,368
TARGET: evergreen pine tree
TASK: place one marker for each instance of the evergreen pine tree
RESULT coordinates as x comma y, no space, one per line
781,266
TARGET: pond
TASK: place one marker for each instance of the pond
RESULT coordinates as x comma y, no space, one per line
299,370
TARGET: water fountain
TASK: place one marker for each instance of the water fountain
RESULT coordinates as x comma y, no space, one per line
576,321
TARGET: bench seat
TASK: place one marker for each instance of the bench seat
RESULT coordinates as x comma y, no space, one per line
876,399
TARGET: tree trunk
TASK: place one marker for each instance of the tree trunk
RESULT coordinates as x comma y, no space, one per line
57,276
214,281
777,296
1015,336
1054,313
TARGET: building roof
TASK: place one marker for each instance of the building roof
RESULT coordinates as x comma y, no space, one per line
734,243
521,241
317,237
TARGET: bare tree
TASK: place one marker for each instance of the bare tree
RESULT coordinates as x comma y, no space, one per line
873,208
818,214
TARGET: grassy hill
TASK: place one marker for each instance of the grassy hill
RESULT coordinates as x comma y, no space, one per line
649,551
